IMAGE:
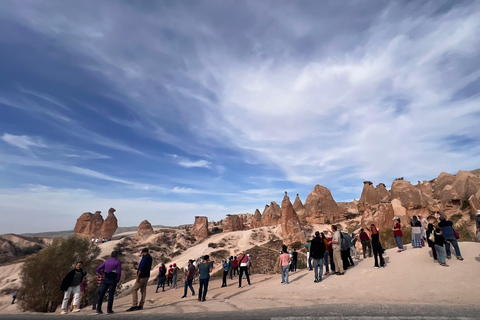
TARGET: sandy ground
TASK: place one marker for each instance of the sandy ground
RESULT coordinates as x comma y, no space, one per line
411,277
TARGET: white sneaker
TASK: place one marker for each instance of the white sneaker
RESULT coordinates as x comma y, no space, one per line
64,312
76,310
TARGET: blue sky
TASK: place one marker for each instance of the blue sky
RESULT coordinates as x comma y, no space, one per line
170,109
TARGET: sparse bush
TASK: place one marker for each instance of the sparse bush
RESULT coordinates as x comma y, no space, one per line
465,231
388,240
456,218
219,255
42,274
176,254
465,205
212,245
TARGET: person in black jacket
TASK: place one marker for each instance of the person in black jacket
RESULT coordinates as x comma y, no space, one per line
317,252
71,284
143,274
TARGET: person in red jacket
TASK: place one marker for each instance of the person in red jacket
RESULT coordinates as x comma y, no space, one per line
235,266
170,276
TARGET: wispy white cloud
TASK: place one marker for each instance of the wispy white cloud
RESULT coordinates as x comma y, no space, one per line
194,164
48,209
23,142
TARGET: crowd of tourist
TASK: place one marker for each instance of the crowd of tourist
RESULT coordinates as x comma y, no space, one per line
335,249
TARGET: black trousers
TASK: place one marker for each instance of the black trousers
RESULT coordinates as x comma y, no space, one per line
377,252
224,280
109,283
242,271
202,290
188,284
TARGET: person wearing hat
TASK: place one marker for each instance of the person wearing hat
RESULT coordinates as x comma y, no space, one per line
397,233
226,268
143,274
204,269
477,222
189,279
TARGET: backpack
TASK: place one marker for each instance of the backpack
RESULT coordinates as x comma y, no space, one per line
344,243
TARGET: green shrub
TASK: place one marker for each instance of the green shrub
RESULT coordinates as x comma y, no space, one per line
456,218
42,273
388,240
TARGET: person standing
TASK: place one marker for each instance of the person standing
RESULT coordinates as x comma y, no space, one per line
225,272
398,234
345,248
175,275
162,276
353,249
325,255
431,243
365,240
112,268
416,232
169,275
477,224
424,223
71,284
449,235
235,266
348,254
143,274
377,247
284,264
337,254
230,267
243,262
14,296
330,252
439,242
204,268
294,260
98,289
189,278
317,252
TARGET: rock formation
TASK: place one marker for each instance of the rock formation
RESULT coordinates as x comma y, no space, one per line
474,204
400,211
425,187
144,231
272,215
409,196
299,208
383,193
369,197
440,183
465,184
292,230
200,228
89,225
381,215
233,222
320,206
110,225
256,220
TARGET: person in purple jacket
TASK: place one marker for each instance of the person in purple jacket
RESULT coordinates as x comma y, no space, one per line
113,271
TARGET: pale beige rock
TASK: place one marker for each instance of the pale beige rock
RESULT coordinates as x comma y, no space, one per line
449,194
299,208
320,207
369,196
97,222
233,222
465,184
410,197
474,204
144,231
425,187
440,183
256,220
383,193
200,228
272,215
110,225
292,229
400,211
381,215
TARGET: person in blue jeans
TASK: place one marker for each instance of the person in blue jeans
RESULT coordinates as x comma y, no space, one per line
326,255
317,252
397,232
285,264
439,242
449,235
204,268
